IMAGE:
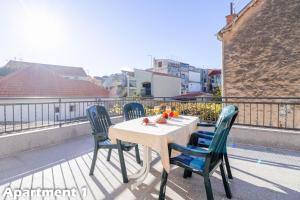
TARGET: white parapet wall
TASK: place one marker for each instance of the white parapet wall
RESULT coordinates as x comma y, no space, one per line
275,138
24,141
19,142
267,137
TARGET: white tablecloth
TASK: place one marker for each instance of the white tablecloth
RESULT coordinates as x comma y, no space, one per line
156,136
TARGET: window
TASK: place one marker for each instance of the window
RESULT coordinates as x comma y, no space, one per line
56,109
72,108
160,64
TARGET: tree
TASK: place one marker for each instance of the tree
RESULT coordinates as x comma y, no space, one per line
217,94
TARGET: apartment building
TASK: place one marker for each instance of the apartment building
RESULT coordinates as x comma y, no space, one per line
193,79
214,79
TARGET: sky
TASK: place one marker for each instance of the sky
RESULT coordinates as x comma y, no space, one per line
105,36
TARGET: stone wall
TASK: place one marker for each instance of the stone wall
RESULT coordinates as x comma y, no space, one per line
262,51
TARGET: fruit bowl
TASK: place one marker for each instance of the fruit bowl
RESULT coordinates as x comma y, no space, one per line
161,120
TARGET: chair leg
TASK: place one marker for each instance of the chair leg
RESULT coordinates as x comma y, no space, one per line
209,193
163,185
225,181
137,154
228,166
187,173
108,155
94,159
122,162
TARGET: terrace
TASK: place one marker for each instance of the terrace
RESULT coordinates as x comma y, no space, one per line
37,150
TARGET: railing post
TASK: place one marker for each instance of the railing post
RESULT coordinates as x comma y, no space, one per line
59,100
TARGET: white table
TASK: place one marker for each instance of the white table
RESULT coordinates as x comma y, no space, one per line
154,136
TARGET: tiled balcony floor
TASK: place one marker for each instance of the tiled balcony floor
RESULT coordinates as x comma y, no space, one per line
259,173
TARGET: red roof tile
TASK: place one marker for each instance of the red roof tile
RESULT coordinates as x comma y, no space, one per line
37,81
214,72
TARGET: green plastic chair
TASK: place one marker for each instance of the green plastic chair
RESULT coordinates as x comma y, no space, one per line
204,139
133,111
100,123
204,161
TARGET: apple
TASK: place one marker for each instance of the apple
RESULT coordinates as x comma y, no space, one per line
171,114
146,120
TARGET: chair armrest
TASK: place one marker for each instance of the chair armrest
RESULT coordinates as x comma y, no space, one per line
188,151
203,124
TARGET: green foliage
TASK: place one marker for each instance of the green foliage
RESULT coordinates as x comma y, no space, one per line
205,111
217,94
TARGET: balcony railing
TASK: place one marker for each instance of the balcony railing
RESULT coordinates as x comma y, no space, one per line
19,114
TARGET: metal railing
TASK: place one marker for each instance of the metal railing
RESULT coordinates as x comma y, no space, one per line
19,114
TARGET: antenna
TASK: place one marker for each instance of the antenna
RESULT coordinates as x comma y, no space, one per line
231,8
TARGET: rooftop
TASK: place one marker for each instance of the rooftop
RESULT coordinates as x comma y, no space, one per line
214,72
58,69
40,81
259,173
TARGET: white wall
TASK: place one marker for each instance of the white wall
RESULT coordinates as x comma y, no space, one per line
31,110
24,141
142,76
195,87
194,76
165,86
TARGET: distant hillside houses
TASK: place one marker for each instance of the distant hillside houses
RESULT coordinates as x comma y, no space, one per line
76,73
143,83
147,82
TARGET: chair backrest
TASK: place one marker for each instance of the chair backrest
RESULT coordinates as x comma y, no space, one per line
99,120
223,112
133,111
218,144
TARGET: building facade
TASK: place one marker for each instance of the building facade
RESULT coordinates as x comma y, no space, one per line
193,79
261,51
155,84
214,79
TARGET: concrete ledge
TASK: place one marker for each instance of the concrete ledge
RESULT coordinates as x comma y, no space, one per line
24,141
275,138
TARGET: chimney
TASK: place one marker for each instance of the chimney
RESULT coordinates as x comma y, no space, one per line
232,16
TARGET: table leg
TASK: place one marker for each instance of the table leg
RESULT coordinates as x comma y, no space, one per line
146,164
